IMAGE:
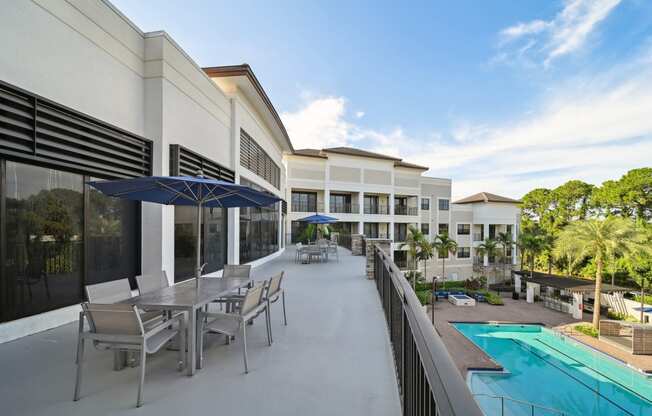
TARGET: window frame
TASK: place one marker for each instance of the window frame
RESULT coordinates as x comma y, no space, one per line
427,201
447,204
462,249
468,230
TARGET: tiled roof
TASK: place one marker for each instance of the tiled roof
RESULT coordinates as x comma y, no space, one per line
486,197
410,165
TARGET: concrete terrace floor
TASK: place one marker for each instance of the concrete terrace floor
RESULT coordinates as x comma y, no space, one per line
333,358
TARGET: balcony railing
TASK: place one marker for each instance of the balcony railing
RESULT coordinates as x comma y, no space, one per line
301,207
403,210
478,237
351,208
376,210
429,381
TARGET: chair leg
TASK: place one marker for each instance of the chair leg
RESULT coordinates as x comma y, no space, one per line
143,355
182,345
268,323
285,317
80,360
244,346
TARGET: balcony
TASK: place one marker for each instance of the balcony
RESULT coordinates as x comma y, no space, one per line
351,208
376,210
323,362
478,237
307,207
401,210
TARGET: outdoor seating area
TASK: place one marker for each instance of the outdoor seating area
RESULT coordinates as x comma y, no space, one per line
326,336
633,337
318,251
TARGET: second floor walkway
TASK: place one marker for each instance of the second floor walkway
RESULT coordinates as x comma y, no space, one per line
333,358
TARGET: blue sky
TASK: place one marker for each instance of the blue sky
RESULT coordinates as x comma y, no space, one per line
501,96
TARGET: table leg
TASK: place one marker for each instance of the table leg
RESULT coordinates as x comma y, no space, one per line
192,341
198,344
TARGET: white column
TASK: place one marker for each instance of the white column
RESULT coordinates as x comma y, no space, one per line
391,204
360,227
233,216
391,231
327,200
514,237
577,305
486,235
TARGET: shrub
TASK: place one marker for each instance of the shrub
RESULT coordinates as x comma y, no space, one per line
423,286
621,316
587,329
424,296
494,299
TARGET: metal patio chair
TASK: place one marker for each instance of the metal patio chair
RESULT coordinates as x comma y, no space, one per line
273,293
230,324
229,271
151,282
116,291
119,327
333,248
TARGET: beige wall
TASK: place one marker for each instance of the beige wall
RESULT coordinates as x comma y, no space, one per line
344,174
377,177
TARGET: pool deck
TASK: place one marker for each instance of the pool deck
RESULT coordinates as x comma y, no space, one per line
466,355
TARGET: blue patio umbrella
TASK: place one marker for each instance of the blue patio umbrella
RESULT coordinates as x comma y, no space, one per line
186,190
318,219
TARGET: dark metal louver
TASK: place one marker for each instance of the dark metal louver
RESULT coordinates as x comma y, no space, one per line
185,162
254,158
40,131
284,206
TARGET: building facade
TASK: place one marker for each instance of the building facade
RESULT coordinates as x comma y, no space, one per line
380,196
85,94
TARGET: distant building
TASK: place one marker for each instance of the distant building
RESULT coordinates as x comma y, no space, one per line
379,196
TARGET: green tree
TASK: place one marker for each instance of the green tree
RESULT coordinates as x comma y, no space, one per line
531,243
628,197
444,245
505,241
639,267
598,239
489,248
413,243
425,254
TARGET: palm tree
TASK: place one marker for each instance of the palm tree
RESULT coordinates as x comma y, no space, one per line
444,245
505,241
598,239
531,243
413,242
488,248
425,254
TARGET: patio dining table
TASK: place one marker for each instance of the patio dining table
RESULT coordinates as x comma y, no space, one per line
185,296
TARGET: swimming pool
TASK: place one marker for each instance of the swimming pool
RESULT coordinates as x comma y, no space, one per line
553,371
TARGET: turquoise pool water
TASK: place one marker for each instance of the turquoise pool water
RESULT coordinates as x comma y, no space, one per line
554,371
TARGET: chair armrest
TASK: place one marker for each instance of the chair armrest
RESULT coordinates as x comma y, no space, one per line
166,324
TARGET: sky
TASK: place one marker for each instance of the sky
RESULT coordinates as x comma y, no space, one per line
500,96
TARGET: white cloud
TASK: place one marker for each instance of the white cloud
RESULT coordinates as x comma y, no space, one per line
359,114
567,32
590,128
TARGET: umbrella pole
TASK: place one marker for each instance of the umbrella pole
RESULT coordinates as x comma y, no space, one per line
198,246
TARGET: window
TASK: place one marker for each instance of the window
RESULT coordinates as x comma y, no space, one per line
400,259
371,229
425,229
340,203
463,229
371,204
304,201
213,241
442,229
48,256
400,232
254,158
425,204
443,204
464,252
258,229
492,231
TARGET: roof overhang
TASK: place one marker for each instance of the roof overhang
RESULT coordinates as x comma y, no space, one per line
242,77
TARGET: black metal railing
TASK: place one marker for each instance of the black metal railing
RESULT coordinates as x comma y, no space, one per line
376,209
403,210
344,240
351,208
307,207
429,382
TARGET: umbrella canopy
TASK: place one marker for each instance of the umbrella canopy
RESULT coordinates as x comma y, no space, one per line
319,219
186,190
